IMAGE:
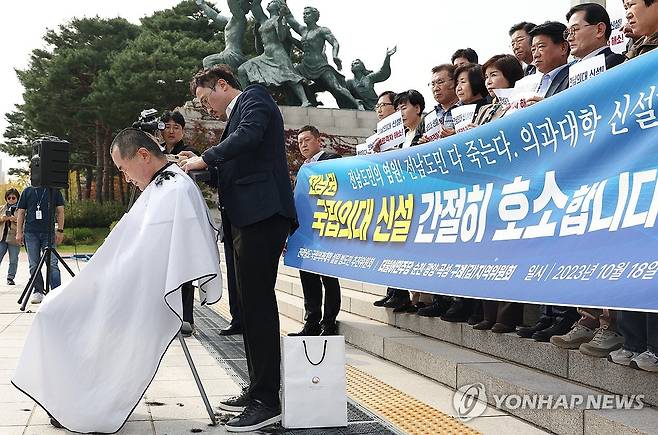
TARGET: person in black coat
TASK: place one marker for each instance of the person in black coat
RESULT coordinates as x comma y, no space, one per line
315,323
256,193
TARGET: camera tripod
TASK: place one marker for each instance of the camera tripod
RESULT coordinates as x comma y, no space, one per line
46,257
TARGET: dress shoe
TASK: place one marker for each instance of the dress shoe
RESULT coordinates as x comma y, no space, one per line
415,307
397,301
187,329
330,329
459,311
236,403
231,329
403,308
382,301
10,281
474,319
560,327
483,325
542,323
435,309
309,329
501,328
256,416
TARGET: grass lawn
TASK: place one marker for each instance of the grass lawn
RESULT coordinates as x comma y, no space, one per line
99,235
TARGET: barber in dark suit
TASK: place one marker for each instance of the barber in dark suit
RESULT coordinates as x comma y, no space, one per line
310,145
255,191
588,32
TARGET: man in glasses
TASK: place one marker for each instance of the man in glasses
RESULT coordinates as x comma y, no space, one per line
256,193
521,46
588,31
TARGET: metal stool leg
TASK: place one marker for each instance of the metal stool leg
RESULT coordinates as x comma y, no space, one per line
197,379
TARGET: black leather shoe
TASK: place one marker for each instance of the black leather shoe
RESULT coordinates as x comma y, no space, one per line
309,329
501,328
235,403
528,331
560,327
10,281
232,329
405,307
331,329
459,311
382,301
397,301
54,422
256,416
484,325
435,309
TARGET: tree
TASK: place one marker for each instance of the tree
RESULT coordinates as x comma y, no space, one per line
58,82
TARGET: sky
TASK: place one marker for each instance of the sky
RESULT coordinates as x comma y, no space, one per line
426,33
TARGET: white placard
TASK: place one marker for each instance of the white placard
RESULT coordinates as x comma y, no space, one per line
462,116
586,69
618,41
362,149
504,95
529,83
433,126
390,131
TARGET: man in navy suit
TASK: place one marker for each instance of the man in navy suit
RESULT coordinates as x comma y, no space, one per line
588,32
256,194
315,322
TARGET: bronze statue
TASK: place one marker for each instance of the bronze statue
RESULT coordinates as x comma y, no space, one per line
233,28
273,67
362,86
315,65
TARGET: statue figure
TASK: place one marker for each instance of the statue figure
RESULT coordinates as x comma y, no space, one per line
314,64
273,67
233,28
362,86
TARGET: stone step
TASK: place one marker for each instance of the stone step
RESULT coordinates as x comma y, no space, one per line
454,365
568,364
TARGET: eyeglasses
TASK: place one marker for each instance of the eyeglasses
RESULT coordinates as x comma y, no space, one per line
518,41
438,83
204,100
573,30
381,105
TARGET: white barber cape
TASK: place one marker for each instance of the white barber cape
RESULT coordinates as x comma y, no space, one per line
96,342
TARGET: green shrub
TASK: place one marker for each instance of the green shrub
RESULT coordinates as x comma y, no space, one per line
92,214
79,236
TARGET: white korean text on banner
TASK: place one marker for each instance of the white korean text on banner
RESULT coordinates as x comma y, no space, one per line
555,203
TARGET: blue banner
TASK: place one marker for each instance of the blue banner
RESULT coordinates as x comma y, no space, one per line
555,204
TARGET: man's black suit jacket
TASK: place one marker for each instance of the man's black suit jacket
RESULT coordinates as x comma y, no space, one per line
612,59
252,168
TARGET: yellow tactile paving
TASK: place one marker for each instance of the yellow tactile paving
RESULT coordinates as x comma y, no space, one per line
394,406
400,409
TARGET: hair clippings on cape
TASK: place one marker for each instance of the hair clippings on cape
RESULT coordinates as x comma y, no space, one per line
165,175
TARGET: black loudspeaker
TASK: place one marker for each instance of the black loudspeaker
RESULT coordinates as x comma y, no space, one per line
49,166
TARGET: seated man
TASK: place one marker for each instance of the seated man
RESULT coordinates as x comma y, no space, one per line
96,342
310,145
